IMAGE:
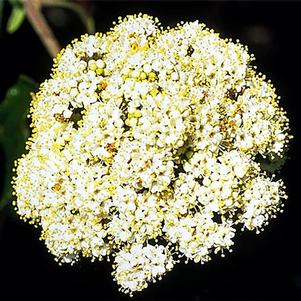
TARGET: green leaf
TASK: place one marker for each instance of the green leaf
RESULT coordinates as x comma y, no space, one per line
13,129
16,19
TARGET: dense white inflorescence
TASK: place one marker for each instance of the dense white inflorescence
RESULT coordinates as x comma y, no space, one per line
143,149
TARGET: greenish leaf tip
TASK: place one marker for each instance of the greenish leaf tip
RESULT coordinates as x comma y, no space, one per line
16,18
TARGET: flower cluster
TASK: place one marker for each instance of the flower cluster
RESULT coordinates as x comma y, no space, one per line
144,149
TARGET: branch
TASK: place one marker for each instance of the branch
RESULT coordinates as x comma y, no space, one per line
41,27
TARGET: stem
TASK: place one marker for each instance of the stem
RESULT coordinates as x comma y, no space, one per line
41,27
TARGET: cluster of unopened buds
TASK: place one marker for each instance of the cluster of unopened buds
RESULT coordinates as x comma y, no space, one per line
145,146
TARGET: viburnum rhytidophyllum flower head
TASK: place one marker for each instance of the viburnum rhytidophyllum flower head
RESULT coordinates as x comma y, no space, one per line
145,146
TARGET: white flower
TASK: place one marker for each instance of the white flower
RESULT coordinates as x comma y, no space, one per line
144,149
139,265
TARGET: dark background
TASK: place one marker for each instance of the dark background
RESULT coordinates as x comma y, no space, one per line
261,267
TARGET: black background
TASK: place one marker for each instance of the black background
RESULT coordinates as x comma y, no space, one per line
261,267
